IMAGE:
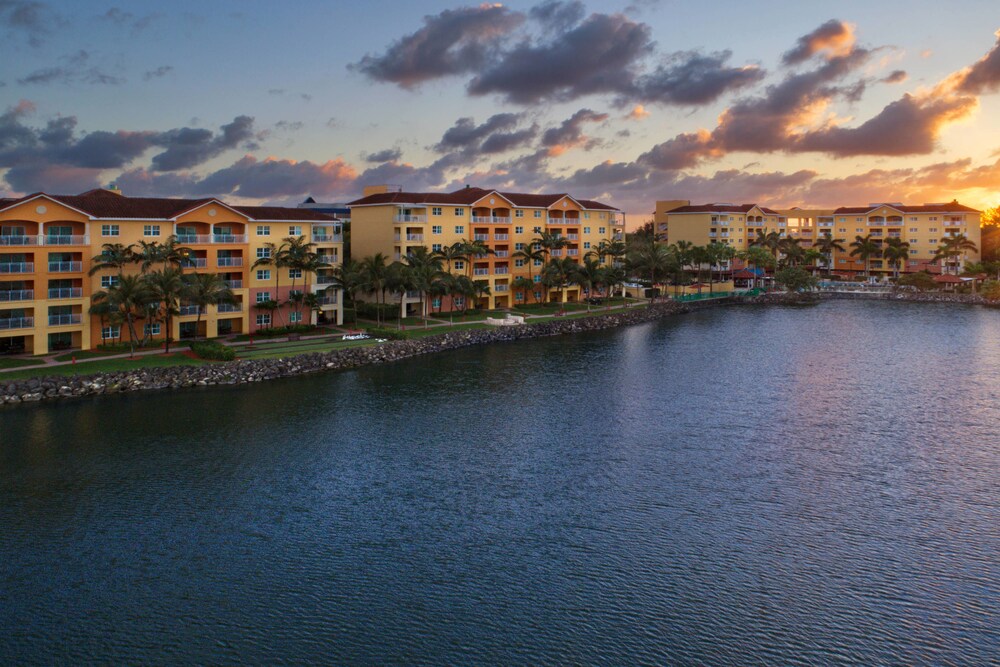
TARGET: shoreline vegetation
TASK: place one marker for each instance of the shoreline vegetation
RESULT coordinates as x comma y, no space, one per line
181,372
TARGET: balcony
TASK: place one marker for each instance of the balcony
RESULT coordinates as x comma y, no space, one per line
17,267
501,237
65,320
234,284
194,239
17,323
480,272
65,292
65,267
573,237
17,240
194,263
17,295
325,279
480,237
64,240
230,261
188,310
230,308
406,218
229,238
501,271
413,294
564,221
557,253
327,259
328,300
501,253
329,238
415,237
500,288
572,252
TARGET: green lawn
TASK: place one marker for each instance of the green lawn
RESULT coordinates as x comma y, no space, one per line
432,331
305,347
107,365
17,363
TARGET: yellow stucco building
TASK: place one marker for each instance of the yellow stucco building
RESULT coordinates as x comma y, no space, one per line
393,222
924,227
47,243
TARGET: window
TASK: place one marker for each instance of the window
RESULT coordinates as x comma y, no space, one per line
459,229
436,302
538,295
518,230
859,230
459,265
914,230
842,220
913,251
436,247
437,229
932,241
913,218
586,245
537,279
152,329
537,230
109,230
263,230
586,230
459,211
263,274
842,230
538,262
859,219
263,296
295,273
586,215
519,263
518,213
932,229
111,332
538,214
108,281
294,230
150,230
264,319
294,317
436,210
518,246
263,253
603,230
460,301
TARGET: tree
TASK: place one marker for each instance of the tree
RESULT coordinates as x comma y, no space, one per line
113,256
990,233
375,276
757,257
795,279
523,285
590,275
425,268
298,255
204,290
864,247
896,252
274,258
549,241
268,306
922,280
128,296
653,260
349,279
399,280
792,250
166,287
769,240
559,274
826,244
954,247
531,253
453,253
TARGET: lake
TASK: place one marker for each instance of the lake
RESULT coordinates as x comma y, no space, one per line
812,485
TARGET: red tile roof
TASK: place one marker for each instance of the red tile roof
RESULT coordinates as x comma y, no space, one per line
110,205
952,207
720,208
468,196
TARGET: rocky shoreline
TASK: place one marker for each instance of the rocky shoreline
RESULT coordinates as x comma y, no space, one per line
259,370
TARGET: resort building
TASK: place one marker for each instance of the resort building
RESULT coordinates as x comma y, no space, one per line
48,242
393,222
925,228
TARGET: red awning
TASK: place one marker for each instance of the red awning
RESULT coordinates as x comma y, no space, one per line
948,278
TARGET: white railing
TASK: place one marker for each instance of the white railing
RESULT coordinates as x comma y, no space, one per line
65,267
480,272
17,267
17,295
501,270
58,239
501,253
329,238
229,238
190,239
189,310
327,259
230,308
480,237
572,252
194,263
557,253
501,237
410,218
65,292
324,279
414,237
17,323
9,240
573,237
500,288
230,261
234,284
64,320
413,294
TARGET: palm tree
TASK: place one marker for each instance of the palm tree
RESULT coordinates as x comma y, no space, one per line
309,264
128,295
589,275
349,280
166,287
769,240
425,268
475,250
204,290
614,276
826,244
399,280
531,253
523,285
613,248
654,260
452,253
113,256
812,256
269,307
480,290
792,249
954,246
559,274
312,303
864,247
757,257
298,255
549,241
896,251
375,280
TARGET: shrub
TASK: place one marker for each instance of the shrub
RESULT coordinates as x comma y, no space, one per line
795,279
387,333
922,280
370,311
284,331
991,290
213,350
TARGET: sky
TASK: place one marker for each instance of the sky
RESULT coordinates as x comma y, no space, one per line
812,104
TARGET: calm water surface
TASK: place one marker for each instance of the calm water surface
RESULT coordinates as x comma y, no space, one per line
754,486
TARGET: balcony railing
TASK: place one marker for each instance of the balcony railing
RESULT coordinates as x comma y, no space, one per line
17,323
573,237
322,279
230,261
65,292
64,320
410,218
17,295
564,221
572,252
327,259
234,284
501,270
500,288
414,237
230,308
65,267
194,263
480,272
229,238
55,239
501,237
189,310
328,300
329,238
194,239
413,294
6,240
17,267
480,237
557,253
501,253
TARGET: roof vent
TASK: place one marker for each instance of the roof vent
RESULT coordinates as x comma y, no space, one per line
722,203
113,187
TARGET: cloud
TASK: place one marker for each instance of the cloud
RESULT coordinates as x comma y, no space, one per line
569,133
157,73
984,75
124,18
682,152
188,147
387,155
693,78
638,112
73,68
833,38
452,42
595,56
289,125
494,135
896,76
34,20
555,15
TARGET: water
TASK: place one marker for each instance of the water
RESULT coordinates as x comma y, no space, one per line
750,485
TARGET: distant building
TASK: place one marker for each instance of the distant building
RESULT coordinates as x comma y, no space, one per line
336,210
